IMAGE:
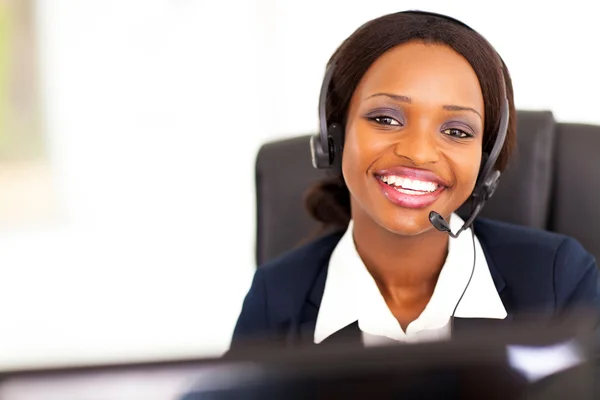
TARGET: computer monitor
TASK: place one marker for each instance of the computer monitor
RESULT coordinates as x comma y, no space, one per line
529,362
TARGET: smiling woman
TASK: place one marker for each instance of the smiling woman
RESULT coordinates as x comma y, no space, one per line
417,118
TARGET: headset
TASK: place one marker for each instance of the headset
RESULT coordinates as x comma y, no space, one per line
327,146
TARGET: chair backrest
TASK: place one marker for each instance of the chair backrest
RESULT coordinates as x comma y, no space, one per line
576,192
283,174
543,187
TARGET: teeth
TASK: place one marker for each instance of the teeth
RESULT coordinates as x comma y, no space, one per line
409,184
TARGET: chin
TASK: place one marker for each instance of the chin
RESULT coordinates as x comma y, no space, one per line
399,220
409,224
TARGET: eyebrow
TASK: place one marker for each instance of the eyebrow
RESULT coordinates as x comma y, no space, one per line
452,107
397,97
406,99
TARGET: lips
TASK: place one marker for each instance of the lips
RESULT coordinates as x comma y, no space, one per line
410,187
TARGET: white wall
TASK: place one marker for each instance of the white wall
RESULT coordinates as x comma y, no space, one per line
156,109
152,109
547,48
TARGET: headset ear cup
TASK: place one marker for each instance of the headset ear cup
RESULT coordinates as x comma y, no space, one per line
320,157
487,181
336,145
491,184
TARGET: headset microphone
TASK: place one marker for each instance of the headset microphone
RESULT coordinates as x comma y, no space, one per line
441,225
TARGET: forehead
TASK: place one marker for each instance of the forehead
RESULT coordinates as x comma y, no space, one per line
427,73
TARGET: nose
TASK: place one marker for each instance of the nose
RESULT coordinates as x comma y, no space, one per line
420,146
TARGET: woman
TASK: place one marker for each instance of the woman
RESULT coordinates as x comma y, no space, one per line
418,102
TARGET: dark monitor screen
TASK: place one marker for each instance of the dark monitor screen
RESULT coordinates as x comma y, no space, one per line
529,363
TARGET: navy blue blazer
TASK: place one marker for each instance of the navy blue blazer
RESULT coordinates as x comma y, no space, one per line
534,271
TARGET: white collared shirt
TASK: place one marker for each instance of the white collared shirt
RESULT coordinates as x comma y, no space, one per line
351,295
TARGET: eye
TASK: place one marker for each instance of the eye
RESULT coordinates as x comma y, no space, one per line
383,120
457,133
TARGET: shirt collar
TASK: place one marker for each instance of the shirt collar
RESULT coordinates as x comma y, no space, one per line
351,293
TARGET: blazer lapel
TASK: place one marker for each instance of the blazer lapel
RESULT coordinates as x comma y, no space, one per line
307,293
461,326
494,271
310,312
499,282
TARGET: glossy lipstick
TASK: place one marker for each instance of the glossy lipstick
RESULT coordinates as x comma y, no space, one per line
410,187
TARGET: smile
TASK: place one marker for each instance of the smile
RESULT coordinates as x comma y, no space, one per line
410,188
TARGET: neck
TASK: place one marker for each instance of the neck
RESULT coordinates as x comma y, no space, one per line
407,263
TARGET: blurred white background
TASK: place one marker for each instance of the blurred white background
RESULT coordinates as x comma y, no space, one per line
155,110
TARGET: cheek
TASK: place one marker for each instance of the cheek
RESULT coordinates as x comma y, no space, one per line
350,157
360,150
466,168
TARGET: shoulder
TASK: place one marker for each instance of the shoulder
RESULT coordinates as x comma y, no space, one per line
512,239
300,266
280,287
503,233
534,261
289,277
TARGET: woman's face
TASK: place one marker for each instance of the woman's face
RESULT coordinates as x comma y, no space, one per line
413,137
